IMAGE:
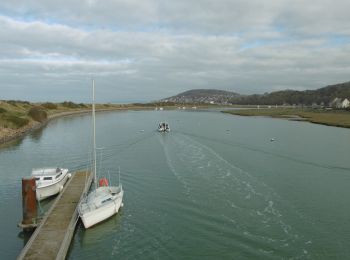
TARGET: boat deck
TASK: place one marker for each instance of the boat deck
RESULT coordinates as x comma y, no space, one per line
52,238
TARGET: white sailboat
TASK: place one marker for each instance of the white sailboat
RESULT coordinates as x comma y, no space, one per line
103,201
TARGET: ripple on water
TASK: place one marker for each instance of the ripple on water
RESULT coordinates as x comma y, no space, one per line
251,213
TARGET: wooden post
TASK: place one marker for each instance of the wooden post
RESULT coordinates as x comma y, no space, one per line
29,205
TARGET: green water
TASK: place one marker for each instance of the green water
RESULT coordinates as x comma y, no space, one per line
213,188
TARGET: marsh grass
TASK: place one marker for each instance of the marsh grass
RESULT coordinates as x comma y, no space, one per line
339,118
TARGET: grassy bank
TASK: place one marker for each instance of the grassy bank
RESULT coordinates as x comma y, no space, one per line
326,117
19,117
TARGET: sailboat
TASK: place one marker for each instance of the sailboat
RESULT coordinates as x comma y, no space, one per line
103,201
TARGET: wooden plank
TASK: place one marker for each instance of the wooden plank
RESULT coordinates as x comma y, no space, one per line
52,238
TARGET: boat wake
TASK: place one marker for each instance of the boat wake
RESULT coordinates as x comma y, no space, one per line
246,208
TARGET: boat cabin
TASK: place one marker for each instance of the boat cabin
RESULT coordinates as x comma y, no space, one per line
47,174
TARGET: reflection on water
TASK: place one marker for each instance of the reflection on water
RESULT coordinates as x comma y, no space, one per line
24,236
11,145
36,134
215,187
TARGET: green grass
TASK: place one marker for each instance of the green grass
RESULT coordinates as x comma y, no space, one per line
339,118
13,121
15,114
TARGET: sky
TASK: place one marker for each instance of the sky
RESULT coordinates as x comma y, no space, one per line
145,50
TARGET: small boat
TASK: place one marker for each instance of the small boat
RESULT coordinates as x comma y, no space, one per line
163,127
49,181
103,201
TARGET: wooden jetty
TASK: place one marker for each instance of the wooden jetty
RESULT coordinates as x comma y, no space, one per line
51,239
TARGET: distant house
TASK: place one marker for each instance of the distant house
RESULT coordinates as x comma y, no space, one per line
345,103
336,103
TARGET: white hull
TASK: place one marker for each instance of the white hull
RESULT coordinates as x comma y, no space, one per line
50,190
164,130
92,215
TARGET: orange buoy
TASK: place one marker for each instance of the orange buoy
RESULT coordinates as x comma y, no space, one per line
103,182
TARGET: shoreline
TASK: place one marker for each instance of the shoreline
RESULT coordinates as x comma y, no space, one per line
13,134
334,118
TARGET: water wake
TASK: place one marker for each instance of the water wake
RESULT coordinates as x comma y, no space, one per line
248,207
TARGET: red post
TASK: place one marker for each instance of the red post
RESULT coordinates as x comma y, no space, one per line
29,203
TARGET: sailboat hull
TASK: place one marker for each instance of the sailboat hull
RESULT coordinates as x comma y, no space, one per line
91,214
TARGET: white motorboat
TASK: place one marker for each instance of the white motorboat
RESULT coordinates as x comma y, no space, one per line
163,127
49,181
103,201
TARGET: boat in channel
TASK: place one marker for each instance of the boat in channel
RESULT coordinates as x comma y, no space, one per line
49,181
103,201
163,127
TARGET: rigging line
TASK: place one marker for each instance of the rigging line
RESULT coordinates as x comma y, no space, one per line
110,152
144,136
110,155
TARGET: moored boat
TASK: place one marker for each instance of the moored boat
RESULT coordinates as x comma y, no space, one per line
49,181
100,204
103,201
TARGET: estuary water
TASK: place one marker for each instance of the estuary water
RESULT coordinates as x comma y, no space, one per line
215,187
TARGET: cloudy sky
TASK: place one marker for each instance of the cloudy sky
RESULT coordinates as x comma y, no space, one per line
143,50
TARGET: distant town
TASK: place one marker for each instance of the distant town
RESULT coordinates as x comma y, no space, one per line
333,97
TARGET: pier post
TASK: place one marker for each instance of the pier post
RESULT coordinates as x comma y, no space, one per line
29,205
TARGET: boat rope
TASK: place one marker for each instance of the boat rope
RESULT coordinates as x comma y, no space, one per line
41,211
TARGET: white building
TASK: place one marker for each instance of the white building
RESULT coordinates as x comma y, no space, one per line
335,103
345,103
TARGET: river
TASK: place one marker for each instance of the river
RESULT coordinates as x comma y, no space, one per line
215,187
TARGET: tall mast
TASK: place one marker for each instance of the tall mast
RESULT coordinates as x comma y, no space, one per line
94,130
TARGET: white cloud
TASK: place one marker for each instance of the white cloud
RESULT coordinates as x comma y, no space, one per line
150,49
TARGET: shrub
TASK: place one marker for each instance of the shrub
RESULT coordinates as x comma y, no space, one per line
2,110
70,104
49,105
16,102
15,121
38,114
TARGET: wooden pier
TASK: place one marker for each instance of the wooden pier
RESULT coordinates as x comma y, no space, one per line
51,240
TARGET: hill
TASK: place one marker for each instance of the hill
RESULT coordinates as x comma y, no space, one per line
203,96
322,96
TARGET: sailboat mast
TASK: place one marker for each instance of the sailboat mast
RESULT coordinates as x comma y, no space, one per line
94,130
